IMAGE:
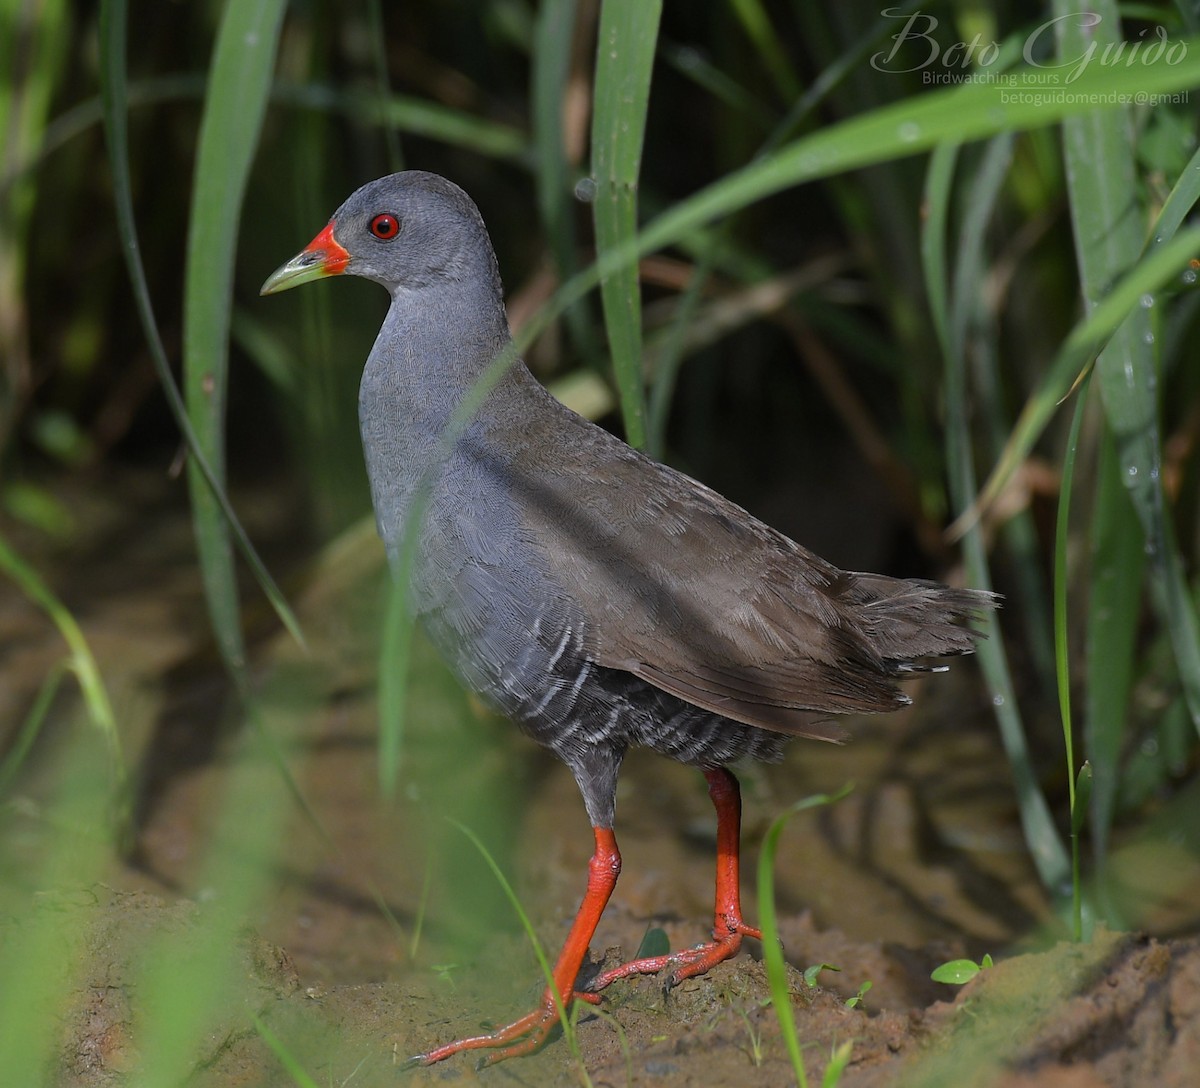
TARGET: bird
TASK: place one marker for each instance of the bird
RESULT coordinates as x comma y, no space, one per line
599,599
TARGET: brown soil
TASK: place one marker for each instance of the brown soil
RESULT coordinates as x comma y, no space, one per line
1120,1010
920,864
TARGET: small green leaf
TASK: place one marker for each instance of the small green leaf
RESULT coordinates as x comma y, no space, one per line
654,943
810,973
59,436
34,505
856,1000
956,972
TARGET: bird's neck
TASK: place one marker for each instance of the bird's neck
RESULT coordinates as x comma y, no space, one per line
434,346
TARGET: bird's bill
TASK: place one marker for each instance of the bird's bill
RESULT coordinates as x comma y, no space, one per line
321,257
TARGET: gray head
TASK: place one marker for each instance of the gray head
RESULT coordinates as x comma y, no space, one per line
407,231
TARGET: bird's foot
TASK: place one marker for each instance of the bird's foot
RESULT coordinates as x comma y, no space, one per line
688,963
521,1037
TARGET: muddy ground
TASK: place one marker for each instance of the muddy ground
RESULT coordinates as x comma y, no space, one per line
384,931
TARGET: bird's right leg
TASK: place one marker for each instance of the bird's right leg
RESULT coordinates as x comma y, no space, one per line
527,1034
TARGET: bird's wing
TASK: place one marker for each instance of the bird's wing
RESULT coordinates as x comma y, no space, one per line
688,591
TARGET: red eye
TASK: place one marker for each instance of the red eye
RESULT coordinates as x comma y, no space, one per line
385,226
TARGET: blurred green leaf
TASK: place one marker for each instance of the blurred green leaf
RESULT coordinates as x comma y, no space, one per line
59,436
239,82
414,116
80,660
756,22
624,59
113,84
35,505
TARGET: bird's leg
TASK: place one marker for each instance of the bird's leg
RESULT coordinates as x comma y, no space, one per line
527,1034
728,925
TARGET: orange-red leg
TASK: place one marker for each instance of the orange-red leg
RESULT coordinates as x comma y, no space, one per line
728,925
525,1035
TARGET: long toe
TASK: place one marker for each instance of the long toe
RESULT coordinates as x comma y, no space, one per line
521,1037
700,960
687,963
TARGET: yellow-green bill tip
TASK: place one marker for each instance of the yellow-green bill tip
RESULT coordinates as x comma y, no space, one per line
322,257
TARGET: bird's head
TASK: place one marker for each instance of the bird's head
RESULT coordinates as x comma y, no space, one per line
406,231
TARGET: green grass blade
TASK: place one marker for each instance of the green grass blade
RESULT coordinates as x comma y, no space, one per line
837,69
1105,204
839,1058
560,1006
909,127
418,117
1118,561
398,113
20,745
974,335
83,115
378,36
1037,822
43,959
1160,267
1062,658
669,356
81,661
781,998
968,112
32,51
287,1059
1175,599
717,82
939,183
33,47
414,116
554,34
395,657
239,82
186,978
757,25
625,57
113,31
1180,200
1045,844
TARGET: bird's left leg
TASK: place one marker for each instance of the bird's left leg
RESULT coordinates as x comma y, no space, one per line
527,1034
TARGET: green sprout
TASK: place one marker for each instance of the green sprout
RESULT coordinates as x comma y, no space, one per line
959,972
